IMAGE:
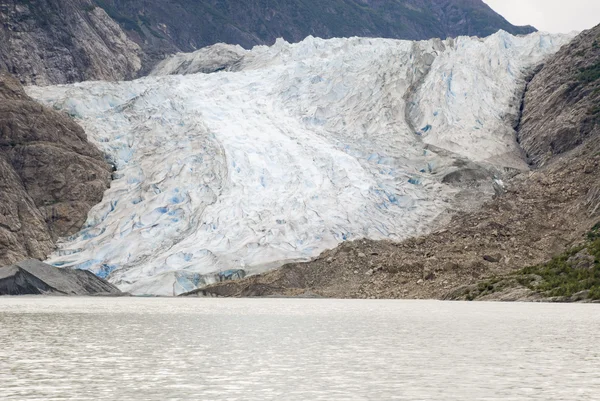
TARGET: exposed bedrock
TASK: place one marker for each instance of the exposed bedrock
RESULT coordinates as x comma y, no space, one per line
46,42
561,108
50,175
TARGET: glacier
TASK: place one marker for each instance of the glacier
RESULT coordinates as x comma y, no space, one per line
231,162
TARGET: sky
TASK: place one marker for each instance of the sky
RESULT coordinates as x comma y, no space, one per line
557,16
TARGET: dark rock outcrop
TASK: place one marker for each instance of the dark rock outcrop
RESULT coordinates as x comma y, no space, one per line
562,103
50,175
60,41
32,277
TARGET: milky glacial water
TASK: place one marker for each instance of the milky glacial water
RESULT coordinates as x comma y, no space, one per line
281,349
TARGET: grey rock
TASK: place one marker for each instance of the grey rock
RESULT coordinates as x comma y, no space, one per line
61,41
32,277
219,57
561,103
582,260
50,175
493,258
428,275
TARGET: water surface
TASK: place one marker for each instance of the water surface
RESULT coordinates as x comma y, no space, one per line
275,349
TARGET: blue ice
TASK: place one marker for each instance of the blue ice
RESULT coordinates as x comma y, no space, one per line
87,265
105,270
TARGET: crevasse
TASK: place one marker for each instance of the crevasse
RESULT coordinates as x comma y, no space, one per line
289,150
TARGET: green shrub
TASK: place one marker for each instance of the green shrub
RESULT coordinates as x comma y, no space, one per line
556,278
560,279
589,74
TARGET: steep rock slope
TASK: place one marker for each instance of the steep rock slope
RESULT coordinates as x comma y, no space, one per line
543,213
50,175
302,147
60,41
562,103
188,25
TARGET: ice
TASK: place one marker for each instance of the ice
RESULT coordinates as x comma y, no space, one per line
288,151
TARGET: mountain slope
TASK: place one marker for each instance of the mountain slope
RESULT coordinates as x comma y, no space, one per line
300,147
186,25
560,129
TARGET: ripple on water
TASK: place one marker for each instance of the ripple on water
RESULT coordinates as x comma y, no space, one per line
274,349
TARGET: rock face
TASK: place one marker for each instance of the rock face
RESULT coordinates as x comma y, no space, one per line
32,277
562,103
59,41
50,175
538,214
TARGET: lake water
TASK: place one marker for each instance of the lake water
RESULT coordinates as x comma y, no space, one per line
282,349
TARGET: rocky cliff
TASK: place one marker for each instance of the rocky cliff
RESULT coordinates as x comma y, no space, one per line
59,41
543,212
561,108
50,175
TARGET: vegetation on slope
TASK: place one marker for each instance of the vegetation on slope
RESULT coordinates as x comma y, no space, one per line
571,276
590,74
